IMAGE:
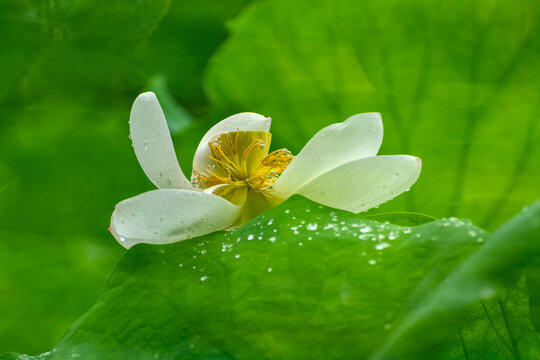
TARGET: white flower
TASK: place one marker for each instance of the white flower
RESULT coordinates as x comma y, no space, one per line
235,178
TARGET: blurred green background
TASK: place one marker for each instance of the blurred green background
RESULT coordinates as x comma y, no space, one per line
457,83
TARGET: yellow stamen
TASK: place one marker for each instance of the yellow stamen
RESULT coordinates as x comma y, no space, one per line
243,165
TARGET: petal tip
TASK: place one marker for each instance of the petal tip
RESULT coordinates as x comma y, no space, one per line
146,96
369,116
143,102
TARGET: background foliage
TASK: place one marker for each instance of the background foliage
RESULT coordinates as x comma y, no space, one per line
455,81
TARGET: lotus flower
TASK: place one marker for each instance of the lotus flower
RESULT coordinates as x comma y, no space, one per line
235,177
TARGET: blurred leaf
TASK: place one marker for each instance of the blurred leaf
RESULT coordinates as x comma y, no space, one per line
305,282
181,46
499,322
70,71
454,82
42,274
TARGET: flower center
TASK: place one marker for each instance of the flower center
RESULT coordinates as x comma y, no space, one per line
242,165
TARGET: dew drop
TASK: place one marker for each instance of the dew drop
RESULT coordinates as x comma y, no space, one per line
204,278
312,226
269,269
372,262
382,246
237,256
365,229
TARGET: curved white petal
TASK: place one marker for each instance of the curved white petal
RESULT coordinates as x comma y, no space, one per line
170,215
244,121
358,137
153,144
365,183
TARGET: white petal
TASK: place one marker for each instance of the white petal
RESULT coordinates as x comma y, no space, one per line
358,137
153,144
365,183
170,215
244,121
